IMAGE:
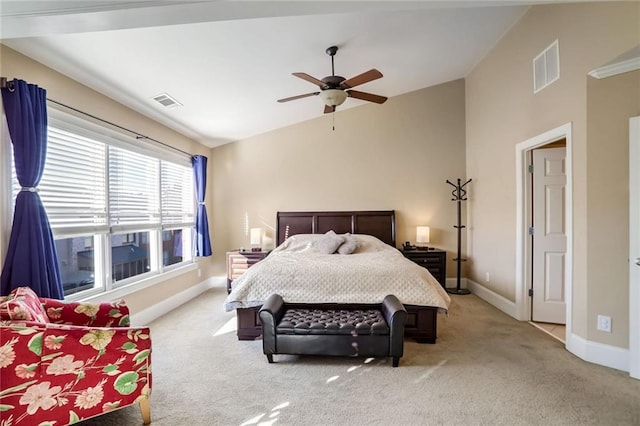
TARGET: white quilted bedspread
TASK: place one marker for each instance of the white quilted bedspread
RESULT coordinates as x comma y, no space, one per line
298,272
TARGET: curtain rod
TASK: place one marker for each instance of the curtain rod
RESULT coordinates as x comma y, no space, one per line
6,84
9,85
137,134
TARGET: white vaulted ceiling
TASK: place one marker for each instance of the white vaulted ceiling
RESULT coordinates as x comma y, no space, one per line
228,62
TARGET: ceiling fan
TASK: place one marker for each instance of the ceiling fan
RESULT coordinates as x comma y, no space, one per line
334,89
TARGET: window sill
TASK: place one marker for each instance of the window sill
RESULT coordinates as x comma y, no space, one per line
120,292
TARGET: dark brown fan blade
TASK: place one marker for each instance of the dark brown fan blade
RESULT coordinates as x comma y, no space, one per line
365,77
310,79
366,96
293,98
328,109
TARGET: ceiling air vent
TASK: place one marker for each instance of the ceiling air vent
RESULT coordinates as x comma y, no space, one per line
546,67
166,101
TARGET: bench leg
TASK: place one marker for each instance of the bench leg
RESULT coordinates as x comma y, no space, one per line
396,361
270,358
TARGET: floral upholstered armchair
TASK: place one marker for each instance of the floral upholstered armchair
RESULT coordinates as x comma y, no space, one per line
62,362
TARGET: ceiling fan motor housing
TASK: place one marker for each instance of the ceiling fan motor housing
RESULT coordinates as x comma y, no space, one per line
333,81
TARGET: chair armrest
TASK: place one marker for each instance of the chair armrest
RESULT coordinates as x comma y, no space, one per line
274,305
396,316
104,314
97,340
84,370
271,312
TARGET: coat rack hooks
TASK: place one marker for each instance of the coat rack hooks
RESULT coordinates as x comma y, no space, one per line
459,195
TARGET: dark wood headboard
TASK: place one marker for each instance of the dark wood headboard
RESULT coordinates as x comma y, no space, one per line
380,224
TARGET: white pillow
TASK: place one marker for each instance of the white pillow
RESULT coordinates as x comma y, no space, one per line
349,246
330,242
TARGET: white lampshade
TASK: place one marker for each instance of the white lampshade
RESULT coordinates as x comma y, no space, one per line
422,234
256,236
333,97
267,242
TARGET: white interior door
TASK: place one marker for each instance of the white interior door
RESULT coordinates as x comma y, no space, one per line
634,247
549,235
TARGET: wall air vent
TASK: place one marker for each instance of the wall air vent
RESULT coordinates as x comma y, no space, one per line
166,101
546,67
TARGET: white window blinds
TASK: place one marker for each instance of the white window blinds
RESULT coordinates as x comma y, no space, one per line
133,189
177,195
72,187
92,186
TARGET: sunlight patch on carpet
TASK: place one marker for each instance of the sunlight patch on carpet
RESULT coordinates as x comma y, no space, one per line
281,406
254,420
229,327
332,379
273,416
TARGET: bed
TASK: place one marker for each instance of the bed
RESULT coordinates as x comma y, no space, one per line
303,274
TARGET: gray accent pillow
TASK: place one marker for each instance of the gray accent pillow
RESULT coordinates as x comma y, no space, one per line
330,242
349,246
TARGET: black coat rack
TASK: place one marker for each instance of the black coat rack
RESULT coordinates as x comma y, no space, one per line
459,195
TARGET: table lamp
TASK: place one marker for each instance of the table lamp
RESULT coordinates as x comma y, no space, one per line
422,237
256,239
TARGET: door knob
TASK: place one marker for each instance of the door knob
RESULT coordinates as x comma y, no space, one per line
638,261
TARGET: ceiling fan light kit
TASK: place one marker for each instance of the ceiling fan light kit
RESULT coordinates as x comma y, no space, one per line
334,89
333,97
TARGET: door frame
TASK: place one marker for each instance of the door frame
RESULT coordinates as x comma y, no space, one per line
634,249
523,246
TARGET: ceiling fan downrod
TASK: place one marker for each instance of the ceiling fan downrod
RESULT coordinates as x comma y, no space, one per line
331,51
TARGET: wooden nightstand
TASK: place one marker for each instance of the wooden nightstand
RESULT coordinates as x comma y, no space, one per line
434,260
239,261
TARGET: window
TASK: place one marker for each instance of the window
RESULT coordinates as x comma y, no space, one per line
76,262
120,210
175,246
129,259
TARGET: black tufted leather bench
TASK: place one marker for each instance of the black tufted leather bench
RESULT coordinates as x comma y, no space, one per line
347,330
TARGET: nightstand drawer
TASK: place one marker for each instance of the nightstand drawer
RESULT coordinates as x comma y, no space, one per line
427,262
435,261
239,261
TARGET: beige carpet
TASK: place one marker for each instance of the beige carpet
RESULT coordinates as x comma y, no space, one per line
485,369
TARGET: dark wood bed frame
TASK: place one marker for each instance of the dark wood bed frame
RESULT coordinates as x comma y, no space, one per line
421,320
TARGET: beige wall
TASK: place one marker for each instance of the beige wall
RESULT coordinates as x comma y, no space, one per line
69,92
394,156
399,154
502,111
610,104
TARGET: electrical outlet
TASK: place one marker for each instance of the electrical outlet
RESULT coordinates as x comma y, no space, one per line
487,277
604,323
199,272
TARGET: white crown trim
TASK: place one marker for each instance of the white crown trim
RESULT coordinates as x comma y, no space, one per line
632,64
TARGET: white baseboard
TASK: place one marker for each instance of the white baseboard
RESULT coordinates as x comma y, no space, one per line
594,352
598,353
145,316
491,297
